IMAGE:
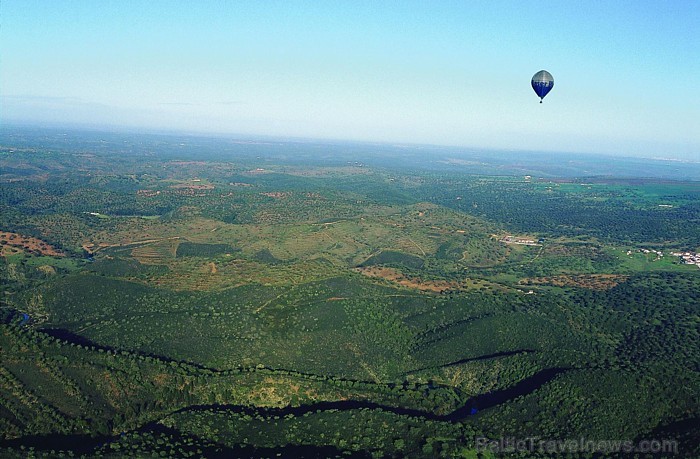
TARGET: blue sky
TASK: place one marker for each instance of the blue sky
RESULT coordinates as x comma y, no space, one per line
627,74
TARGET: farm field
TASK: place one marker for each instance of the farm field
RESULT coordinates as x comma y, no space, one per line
226,299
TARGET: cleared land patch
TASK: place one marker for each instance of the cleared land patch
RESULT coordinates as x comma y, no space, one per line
416,283
15,243
588,281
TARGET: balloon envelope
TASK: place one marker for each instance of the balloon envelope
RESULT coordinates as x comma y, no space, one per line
542,83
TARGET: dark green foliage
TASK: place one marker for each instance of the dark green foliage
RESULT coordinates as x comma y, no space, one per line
549,208
124,267
392,258
265,256
193,249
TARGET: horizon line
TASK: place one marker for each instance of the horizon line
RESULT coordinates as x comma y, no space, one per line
151,130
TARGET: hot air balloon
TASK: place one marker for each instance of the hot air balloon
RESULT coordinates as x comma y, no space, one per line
542,83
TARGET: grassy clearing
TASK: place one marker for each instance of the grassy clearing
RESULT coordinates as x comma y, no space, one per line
649,262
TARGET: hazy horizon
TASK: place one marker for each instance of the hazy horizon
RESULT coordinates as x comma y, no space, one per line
449,75
334,152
